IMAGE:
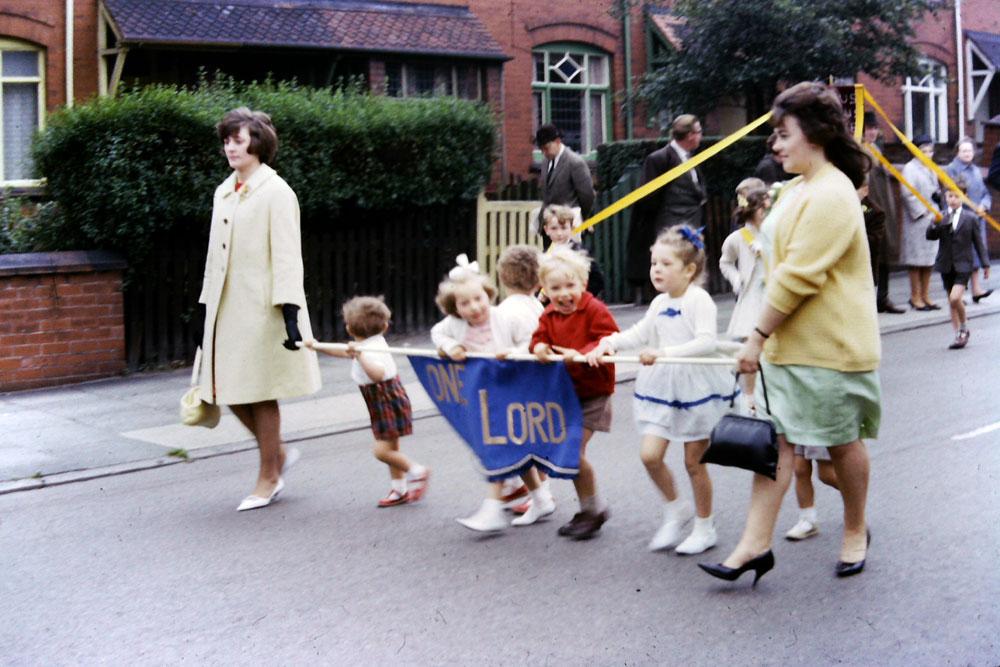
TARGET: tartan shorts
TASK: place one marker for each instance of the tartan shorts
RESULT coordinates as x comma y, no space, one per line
389,408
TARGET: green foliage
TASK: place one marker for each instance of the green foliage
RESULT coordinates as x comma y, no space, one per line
146,162
26,226
722,172
741,50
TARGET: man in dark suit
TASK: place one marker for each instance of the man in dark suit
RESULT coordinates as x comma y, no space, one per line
958,233
565,176
682,201
880,191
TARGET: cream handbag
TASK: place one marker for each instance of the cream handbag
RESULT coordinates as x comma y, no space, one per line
194,411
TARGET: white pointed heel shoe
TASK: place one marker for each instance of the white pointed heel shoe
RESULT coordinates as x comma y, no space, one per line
256,502
292,456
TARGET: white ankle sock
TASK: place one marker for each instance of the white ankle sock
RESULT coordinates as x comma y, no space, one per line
704,524
416,470
808,514
399,485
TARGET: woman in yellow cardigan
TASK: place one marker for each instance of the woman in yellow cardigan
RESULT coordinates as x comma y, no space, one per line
819,330
255,303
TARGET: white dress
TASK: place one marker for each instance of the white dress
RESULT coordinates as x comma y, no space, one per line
678,402
743,264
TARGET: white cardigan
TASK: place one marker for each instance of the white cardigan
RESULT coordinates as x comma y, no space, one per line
450,332
738,259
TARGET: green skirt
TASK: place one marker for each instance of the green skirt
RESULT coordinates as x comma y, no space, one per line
821,407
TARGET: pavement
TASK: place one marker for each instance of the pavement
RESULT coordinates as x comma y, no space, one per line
119,425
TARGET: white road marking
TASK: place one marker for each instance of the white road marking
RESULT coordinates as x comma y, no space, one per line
995,426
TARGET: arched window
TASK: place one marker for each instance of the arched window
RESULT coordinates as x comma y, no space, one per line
571,87
925,101
22,108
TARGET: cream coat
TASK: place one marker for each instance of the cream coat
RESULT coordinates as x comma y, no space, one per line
254,266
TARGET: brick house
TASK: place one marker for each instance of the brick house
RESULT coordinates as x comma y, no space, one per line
533,61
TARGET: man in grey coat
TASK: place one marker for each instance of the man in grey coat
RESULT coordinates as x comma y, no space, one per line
565,176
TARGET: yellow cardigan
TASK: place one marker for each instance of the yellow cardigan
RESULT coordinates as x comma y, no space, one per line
821,278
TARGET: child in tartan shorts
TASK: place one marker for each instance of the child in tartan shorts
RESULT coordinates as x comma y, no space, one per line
367,319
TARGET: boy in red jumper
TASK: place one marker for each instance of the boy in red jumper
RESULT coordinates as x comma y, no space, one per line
573,323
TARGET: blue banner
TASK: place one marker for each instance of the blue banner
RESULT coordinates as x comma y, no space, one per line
513,414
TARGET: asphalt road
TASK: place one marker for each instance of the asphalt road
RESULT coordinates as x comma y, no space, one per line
156,567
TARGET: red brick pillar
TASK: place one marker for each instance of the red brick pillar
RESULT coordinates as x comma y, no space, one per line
62,318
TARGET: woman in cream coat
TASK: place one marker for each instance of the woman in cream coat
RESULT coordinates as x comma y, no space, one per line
255,307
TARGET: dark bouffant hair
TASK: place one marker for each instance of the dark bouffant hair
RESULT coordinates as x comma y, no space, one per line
517,268
263,136
366,316
821,116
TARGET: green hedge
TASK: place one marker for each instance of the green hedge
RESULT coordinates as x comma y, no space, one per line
722,172
123,169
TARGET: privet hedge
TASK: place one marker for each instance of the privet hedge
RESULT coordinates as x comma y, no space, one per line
123,169
722,172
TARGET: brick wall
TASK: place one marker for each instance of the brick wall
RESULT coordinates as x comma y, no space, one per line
62,319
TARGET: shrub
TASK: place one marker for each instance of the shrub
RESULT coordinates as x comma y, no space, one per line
722,172
125,169
27,226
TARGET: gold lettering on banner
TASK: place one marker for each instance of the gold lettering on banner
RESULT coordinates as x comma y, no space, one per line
517,408
446,383
536,419
484,413
555,410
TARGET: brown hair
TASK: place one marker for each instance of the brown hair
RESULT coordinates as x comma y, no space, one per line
820,114
263,137
559,212
517,268
445,298
680,239
749,202
366,316
748,184
682,126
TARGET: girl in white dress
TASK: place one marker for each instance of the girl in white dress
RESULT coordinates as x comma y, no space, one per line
743,264
677,402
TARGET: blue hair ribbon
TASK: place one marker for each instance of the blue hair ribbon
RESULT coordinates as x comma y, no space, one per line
693,236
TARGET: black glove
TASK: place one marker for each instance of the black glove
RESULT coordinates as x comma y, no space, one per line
198,323
291,314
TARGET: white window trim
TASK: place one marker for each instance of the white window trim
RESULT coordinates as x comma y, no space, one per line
976,93
602,90
939,99
16,45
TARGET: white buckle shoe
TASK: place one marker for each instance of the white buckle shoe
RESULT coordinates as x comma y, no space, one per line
701,539
537,510
256,502
488,518
802,530
669,532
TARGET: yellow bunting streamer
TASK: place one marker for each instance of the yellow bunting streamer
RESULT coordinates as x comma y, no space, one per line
899,177
668,176
929,163
859,111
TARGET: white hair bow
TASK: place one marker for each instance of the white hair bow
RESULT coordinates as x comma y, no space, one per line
463,268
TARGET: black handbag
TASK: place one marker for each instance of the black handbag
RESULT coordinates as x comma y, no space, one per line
745,442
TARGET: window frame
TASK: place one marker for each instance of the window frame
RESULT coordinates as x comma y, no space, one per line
10,44
404,78
933,83
589,89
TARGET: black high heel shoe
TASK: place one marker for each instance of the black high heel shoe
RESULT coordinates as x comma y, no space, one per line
760,565
850,569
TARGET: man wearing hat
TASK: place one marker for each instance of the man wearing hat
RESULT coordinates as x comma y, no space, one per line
565,176
881,195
